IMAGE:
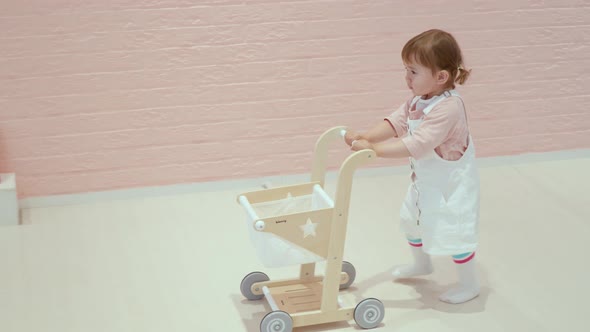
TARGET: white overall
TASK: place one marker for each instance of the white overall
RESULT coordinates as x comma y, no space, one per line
442,203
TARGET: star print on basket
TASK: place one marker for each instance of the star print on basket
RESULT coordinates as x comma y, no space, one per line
309,228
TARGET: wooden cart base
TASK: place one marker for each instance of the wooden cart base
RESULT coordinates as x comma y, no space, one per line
298,297
303,302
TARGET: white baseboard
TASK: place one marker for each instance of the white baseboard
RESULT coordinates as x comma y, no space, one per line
9,204
179,189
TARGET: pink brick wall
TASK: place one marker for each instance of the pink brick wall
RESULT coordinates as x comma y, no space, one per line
99,95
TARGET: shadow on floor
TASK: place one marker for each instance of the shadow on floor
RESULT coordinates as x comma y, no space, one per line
428,291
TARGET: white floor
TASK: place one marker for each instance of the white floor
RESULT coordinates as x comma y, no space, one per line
175,262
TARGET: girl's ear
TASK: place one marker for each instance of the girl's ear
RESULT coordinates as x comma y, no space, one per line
442,77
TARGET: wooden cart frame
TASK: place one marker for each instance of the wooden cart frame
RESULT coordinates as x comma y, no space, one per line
310,299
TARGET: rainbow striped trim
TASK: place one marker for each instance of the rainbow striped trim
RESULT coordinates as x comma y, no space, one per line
463,258
415,242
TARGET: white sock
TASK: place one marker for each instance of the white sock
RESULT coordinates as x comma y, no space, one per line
422,264
468,287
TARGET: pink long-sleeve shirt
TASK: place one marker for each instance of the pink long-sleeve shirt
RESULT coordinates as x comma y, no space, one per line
443,130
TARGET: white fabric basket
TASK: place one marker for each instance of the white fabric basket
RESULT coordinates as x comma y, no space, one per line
275,251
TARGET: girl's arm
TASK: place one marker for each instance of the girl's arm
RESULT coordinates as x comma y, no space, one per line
395,149
379,133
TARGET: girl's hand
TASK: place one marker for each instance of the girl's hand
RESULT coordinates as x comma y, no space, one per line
361,144
350,136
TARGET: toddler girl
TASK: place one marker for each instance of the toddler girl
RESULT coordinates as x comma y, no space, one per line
440,213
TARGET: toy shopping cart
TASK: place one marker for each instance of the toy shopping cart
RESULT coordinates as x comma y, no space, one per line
302,225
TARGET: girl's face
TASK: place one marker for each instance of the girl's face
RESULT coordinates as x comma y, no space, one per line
422,81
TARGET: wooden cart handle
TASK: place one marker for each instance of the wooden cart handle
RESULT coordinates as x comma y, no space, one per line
318,169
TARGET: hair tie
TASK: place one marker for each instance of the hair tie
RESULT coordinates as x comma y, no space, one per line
460,68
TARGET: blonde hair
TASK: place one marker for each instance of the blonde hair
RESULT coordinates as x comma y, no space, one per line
437,50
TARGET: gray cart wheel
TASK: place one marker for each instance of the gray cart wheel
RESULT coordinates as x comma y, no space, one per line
369,313
248,281
276,321
351,271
